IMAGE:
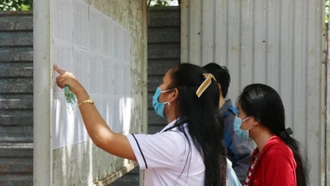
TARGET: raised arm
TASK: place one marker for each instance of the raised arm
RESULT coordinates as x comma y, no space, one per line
97,128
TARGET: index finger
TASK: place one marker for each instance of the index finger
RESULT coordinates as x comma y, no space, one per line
60,71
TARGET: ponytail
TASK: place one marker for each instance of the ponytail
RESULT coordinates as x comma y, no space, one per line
301,171
199,107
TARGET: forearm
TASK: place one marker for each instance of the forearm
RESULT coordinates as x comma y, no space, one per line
100,133
95,125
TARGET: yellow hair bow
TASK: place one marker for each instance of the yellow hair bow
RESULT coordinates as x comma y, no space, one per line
206,83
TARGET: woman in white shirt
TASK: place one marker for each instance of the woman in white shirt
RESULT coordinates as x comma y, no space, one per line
189,150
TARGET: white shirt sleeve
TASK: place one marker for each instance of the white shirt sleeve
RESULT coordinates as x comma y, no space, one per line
157,150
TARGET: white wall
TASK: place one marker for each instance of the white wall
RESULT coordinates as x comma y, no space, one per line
113,70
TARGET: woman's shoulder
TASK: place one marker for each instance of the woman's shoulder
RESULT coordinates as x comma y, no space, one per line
171,137
275,143
277,149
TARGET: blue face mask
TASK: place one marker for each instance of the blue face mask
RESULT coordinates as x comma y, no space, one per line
159,107
243,134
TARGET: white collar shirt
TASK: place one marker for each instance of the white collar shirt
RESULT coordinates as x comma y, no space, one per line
167,158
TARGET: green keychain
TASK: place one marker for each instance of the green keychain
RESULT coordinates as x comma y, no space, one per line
70,97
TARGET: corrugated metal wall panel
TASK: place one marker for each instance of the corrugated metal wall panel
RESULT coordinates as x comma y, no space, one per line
266,41
16,99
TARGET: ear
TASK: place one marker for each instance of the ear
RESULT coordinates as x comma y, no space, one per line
219,86
175,94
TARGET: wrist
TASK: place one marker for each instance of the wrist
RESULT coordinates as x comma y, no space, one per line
81,94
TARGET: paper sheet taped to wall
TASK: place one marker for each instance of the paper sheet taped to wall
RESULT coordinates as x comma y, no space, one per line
96,49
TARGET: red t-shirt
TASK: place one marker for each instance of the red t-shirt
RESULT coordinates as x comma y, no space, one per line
273,166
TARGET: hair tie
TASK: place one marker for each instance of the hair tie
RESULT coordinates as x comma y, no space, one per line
206,83
285,133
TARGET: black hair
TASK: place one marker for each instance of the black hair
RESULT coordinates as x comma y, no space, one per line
221,74
204,120
265,105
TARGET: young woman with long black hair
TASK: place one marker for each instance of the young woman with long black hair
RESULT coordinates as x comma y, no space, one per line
277,160
189,150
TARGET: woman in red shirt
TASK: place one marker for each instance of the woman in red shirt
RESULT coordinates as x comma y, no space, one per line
277,160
